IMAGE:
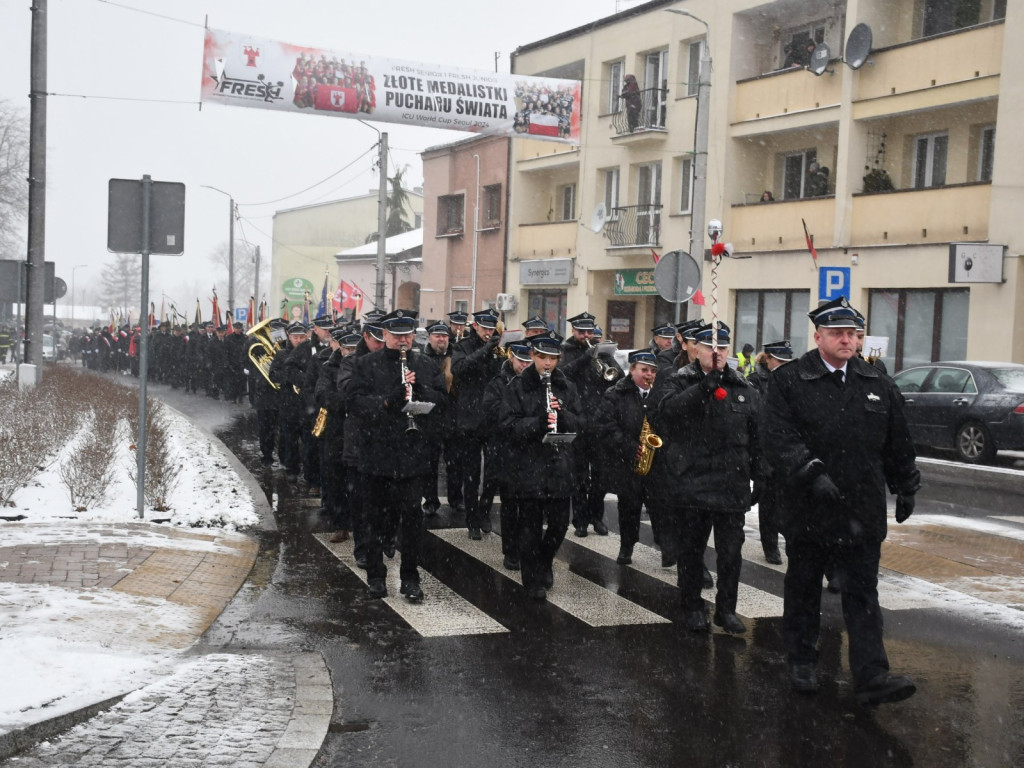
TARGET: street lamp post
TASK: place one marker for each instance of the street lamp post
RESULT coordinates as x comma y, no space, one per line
231,250
73,270
700,153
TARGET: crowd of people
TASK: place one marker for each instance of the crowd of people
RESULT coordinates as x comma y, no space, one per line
310,73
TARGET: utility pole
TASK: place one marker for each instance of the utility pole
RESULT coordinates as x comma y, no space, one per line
231,262
36,272
256,281
382,223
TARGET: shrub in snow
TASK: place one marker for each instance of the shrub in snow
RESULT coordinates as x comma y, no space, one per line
161,468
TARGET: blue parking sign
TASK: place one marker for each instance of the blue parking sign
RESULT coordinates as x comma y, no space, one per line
833,282
241,314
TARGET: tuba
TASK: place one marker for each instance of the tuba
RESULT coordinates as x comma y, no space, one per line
264,338
649,443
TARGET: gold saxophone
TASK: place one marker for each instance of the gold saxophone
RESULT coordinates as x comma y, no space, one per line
649,443
321,423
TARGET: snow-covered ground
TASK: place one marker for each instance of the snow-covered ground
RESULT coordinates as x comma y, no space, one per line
66,648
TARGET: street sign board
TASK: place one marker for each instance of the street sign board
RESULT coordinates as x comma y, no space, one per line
833,282
166,217
666,277
241,313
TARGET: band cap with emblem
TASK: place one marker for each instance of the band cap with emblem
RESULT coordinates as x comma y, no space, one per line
296,328
780,350
549,343
458,317
485,318
665,331
323,322
836,314
688,330
584,321
401,322
438,328
644,356
534,323
519,349
706,335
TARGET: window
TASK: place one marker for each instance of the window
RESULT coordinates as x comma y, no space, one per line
946,15
462,305
550,305
417,219
567,199
922,325
492,206
767,316
648,203
693,69
685,184
655,80
930,160
611,192
794,173
450,215
797,40
987,154
615,86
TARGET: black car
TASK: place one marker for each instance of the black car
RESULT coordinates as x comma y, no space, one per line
972,407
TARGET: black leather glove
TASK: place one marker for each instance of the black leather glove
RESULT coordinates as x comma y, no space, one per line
493,342
756,492
824,491
711,381
593,351
905,507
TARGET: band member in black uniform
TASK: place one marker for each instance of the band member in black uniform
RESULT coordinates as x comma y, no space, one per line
539,401
775,355
662,338
683,350
620,423
438,349
459,322
534,326
288,371
332,438
265,400
474,363
835,429
395,451
708,420
518,359
234,359
580,360
316,353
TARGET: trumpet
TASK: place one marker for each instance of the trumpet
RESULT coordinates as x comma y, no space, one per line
604,370
649,443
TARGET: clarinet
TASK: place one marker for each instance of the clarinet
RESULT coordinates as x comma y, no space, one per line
411,425
546,378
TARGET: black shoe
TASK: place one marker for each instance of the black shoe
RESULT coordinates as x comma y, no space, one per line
696,621
581,531
361,562
485,525
668,560
834,585
389,549
430,509
802,678
600,528
730,622
885,689
474,534
412,591
537,593
511,563
377,589
547,579
625,554
772,556
707,582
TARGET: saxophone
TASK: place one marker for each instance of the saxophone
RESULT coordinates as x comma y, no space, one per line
321,423
649,443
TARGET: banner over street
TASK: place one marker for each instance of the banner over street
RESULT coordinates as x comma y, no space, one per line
246,71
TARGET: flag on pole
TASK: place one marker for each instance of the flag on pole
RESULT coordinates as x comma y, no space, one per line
698,298
215,314
284,309
152,315
250,313
657,258
305,309
321,309
163,313
199,314
810,244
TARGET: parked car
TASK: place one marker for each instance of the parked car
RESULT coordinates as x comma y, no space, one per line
975,408
49,349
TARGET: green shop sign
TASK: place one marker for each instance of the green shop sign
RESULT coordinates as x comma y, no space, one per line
294,289
634,282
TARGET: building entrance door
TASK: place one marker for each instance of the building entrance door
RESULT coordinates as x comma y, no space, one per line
621,321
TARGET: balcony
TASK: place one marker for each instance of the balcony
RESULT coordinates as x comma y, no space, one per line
645,121
633,225
923,74
937,215
776,226
546,239
791,93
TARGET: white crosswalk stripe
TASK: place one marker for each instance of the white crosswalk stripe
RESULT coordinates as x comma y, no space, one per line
442,613
587,601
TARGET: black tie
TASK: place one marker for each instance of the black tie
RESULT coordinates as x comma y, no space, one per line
838,375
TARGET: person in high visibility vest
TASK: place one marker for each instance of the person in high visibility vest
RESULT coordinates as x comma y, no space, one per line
746,360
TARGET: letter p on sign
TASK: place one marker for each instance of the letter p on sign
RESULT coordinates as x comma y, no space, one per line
833,282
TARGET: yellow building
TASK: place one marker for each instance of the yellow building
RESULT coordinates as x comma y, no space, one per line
915,210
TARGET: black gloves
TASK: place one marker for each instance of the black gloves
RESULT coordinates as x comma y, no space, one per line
492,343
397,397
711,381
824,491
593,351
904,507
756,492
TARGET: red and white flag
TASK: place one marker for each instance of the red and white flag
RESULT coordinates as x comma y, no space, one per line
543,125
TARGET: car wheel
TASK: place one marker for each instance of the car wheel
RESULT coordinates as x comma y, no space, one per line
974,444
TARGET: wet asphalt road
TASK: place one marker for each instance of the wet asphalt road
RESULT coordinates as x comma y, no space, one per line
553,690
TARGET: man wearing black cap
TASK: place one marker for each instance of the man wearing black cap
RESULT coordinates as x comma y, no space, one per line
579,356
234,379
662,338
265,399
288,371
534,326
708,420
438,349
835,429
458,320
619,423
332,439
474,363
542,472
316,354
395,451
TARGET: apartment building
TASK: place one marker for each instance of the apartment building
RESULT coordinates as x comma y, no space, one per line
914,209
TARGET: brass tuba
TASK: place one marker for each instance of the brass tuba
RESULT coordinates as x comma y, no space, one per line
264,338
649,443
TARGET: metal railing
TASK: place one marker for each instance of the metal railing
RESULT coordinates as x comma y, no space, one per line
642,111
634,225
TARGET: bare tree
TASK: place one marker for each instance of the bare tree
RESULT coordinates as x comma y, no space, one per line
122,282
13,172
245,272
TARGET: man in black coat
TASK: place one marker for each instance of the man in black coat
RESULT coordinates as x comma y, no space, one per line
541,471
265,398
332,440
438,349
619,422
288,371
395,451
834,428
474,363
708,420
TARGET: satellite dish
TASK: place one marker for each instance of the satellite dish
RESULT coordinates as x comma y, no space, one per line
858,46
820,57
666,277
598,219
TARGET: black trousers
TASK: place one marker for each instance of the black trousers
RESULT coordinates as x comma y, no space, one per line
634,495
310,454
537,545
447,449
768,517
588,501
266,423
694,526
332,482
470,457
393,504
857,567
291,438
357,514
509,520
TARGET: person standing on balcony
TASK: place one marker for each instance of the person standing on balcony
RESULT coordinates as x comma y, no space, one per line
634,102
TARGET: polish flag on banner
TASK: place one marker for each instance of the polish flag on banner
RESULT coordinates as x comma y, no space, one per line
543,125
349,296
335,98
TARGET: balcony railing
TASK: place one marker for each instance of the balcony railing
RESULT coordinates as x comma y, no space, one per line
642,111
634,225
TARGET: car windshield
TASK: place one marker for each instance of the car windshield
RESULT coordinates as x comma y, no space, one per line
1010,378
